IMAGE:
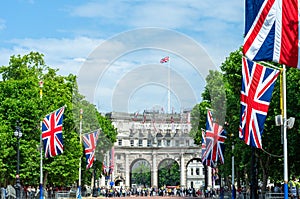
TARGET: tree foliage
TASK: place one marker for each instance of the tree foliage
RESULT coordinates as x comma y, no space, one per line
270,159
23,100
168,173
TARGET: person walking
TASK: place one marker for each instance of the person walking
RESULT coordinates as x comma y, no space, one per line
293,188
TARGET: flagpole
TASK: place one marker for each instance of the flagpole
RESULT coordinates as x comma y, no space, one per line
169,86
41,147
232,170
284,133
80,138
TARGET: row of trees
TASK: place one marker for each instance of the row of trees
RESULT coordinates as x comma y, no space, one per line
222,93
21,100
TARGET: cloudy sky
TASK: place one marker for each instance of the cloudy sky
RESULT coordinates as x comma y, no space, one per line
115,47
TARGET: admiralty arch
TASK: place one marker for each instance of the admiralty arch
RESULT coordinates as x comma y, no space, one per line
154,137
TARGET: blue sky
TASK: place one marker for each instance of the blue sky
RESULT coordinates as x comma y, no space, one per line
69,33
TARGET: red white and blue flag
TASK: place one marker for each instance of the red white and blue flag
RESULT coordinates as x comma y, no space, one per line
215,138
52,133
257,87
205,161
164,60
272,31
90,143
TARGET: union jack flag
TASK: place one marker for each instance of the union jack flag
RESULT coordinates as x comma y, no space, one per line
164,60
215,137
272,31
205,161
104,169
90,143
52,133
257,87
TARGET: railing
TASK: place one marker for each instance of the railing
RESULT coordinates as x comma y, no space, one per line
62,194
268,195
274,195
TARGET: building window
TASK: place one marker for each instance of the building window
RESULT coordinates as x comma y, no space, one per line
159,143
197,171
168,142
176,142
149,143
131,142
120,142
119,157
187,143
140,142
192,171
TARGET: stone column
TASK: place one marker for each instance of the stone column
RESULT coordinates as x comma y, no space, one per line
209,177
154,171
182,171
127,170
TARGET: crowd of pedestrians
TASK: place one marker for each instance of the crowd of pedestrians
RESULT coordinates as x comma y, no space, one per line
32,192
153,191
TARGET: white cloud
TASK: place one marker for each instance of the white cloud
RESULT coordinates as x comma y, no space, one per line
66,54
162,13
214,24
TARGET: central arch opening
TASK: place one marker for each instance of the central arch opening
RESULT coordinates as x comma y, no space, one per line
168,173
140,174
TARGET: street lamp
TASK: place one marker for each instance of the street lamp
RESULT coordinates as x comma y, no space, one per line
95,194
18,134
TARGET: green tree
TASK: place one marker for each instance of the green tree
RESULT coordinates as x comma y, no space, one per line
20,100
168,173
270,159
141,174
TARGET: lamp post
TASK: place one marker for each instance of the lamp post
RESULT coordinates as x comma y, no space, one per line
94,186
18,134
233,195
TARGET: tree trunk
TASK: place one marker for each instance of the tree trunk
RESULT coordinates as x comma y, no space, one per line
45,178
264,164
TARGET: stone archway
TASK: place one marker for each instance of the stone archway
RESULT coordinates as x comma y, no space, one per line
140,173
168,173
119,181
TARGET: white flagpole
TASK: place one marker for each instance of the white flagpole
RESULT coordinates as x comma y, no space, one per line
79,179
41,148
284,133
169,85
232,171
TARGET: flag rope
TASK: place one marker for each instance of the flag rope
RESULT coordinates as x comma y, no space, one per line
270,154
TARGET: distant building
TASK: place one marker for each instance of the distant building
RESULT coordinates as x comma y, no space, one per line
155,137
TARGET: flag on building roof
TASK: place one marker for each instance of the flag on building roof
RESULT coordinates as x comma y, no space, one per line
144,116
164,60
272,31
90,142
257,87
136,114
172,124
52,133
215,138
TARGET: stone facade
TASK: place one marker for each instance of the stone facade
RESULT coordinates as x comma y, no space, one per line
154,137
